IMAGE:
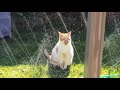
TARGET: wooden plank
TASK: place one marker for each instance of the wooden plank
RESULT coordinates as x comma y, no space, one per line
94,44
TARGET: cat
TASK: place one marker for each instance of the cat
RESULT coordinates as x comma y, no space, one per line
63,52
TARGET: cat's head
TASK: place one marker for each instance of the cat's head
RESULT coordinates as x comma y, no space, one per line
65,37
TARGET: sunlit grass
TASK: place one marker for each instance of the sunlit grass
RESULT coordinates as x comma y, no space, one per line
41,71
23,71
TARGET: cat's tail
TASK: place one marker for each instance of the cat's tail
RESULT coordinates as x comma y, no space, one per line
47,54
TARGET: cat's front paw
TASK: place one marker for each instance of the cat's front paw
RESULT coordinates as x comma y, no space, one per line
65,66
62,66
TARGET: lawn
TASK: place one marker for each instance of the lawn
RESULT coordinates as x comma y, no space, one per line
43,71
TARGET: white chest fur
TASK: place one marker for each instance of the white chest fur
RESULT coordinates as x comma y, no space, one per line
65,51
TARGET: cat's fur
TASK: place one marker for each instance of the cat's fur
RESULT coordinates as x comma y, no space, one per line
62,53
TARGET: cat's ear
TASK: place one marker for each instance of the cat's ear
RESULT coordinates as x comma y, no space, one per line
59,33
69,33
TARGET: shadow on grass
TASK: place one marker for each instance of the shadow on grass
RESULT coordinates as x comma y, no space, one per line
56,72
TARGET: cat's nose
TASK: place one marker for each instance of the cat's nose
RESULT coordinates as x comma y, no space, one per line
66,41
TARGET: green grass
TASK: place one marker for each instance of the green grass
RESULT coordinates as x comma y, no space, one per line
42,71
34,71
22,71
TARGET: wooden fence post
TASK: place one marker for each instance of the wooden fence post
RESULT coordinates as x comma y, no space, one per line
94,44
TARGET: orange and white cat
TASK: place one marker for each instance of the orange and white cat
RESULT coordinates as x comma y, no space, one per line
63,52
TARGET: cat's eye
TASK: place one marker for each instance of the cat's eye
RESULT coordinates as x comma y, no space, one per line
62,39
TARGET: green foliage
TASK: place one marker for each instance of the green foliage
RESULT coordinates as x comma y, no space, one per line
111,50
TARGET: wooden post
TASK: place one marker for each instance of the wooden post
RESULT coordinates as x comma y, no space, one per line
94,44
